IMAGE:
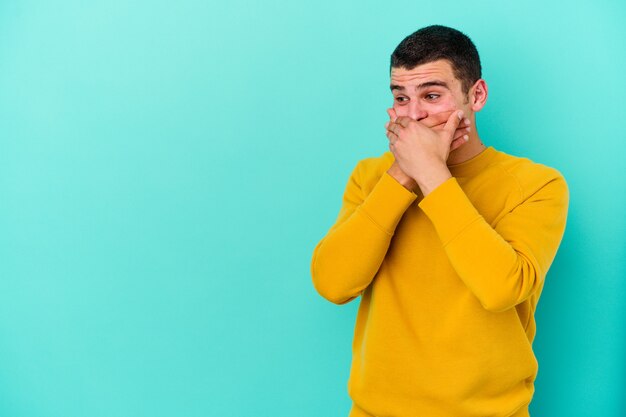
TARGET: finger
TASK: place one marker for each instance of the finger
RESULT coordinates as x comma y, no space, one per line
460,132
464,123
392,136
404,121
436,119
453,123
457,143
392,114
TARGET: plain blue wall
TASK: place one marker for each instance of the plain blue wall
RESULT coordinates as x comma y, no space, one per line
166,169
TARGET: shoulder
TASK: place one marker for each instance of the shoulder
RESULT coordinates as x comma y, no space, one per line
370,169
375,164
531,176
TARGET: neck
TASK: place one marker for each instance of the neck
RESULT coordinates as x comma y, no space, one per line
473,147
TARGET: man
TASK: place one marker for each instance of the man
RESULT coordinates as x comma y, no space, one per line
448,243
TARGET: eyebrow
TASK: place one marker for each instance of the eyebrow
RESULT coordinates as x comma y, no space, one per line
421,86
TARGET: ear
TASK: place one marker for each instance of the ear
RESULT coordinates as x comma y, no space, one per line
478,95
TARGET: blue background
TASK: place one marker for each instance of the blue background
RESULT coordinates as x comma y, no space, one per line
166,169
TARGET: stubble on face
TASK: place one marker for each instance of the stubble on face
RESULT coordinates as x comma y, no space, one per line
438,76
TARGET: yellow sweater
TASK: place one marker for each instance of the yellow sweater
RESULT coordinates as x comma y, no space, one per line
449,284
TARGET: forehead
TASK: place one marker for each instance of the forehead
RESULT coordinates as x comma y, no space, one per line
440,70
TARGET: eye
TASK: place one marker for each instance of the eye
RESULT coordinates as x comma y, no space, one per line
432,96
401,99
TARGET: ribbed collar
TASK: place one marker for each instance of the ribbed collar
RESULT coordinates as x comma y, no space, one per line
474,165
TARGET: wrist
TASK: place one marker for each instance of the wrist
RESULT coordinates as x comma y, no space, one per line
397,174
430,179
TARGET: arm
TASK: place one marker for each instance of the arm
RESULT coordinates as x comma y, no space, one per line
505,265
501,265
346,260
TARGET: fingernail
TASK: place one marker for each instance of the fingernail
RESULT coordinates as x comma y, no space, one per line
466,138
460,114
467,121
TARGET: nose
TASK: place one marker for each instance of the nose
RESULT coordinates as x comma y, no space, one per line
417,112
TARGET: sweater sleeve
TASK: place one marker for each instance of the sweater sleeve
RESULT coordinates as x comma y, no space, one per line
346,260
505,265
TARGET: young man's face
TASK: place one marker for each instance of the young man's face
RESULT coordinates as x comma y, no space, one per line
427,89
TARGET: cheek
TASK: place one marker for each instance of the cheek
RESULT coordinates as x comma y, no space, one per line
444,105
401,111
462,102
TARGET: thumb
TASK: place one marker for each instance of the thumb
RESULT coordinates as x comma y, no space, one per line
452,124
392,114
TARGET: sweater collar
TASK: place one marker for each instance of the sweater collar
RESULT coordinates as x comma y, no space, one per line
474,165
468,168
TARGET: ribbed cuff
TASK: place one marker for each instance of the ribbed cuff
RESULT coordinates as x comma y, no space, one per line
386,203
449,209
